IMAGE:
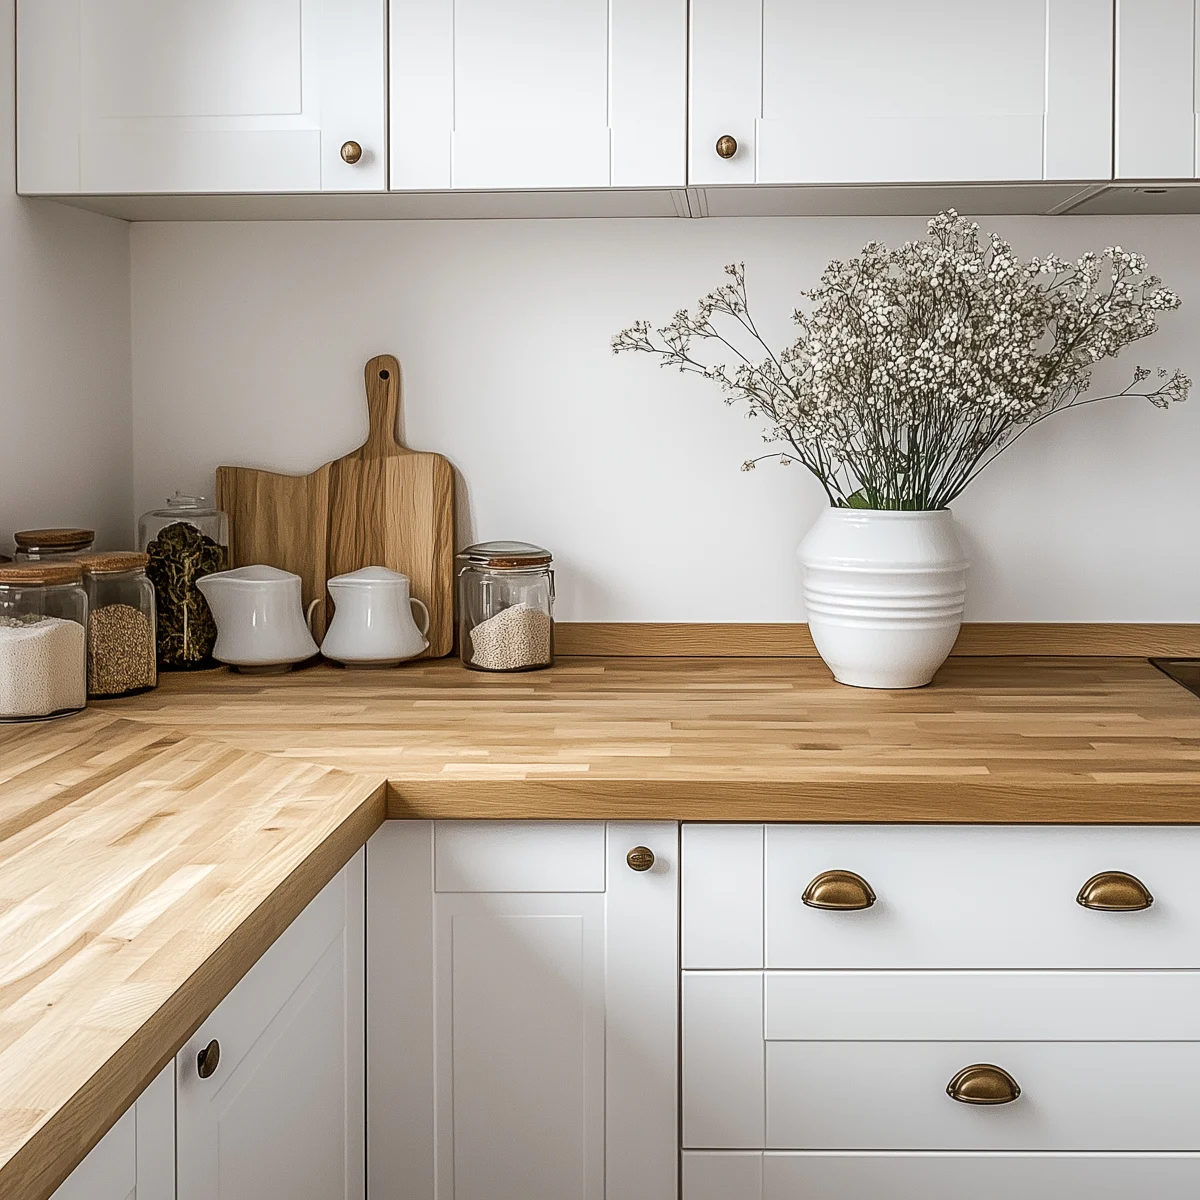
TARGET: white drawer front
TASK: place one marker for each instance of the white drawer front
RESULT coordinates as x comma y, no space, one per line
963,1006
860,1061
1084,1096
519,856
981,897
954,1176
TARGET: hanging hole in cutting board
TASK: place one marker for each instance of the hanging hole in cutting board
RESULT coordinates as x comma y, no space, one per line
384,375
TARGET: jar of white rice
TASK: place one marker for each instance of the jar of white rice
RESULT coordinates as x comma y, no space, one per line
43,640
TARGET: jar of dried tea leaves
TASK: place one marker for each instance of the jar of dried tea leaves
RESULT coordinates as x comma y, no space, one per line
121,651
185,540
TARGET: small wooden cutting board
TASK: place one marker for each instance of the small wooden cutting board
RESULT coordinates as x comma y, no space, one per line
390,506
384,505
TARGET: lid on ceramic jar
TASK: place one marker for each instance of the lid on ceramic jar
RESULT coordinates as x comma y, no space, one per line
113,562
370,576
506,556
45,574
61,541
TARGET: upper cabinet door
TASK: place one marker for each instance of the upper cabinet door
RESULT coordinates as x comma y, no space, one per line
538,93
860,91
1156,89
150,96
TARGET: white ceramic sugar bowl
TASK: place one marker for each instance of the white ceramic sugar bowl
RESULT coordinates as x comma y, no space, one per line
373,623
261,622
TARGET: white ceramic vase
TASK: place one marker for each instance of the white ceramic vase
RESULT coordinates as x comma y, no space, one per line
884,592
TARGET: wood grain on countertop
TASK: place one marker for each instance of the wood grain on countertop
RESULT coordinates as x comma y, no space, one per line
1018,740
142,873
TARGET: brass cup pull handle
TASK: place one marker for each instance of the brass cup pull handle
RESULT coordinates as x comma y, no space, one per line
1115,891
983,1083
839,891
351,152
726,146
640,858
208,1059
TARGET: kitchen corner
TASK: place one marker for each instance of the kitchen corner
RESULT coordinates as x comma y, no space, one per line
504,770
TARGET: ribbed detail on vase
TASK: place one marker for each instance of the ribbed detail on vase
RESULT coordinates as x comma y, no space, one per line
884,593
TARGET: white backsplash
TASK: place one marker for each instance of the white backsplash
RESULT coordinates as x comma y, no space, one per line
249,342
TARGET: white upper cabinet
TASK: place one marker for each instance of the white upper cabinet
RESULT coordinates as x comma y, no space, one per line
150,96
538,93
862,91
1156,89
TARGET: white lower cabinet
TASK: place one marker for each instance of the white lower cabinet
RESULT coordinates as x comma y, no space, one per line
522,1012
281,1113
936,1013
135,1160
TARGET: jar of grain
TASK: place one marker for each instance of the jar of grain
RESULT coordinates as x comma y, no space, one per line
506,607
185,540
121,640
40,545
43,656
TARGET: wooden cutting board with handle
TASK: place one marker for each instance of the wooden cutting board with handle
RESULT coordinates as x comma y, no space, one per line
390,506
282,521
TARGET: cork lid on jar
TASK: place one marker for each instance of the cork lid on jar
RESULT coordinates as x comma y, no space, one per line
506,556
43,574
113,562
62,541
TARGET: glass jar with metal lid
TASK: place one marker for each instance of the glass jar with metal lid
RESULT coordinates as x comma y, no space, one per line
506,607
185,540
121,626
40,545
43,640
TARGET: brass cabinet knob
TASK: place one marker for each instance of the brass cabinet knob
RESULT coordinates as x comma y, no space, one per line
208,1059
841,891
1115,891
351,152
726,146
983,1083
640,858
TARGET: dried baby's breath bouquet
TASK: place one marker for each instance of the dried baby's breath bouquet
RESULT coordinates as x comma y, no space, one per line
915,368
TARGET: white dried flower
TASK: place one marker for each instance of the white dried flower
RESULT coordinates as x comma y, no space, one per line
914,368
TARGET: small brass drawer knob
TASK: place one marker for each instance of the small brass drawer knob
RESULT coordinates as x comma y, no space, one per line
351,152
839,891
726,146
640,858
1115,891
983,1083
208,1059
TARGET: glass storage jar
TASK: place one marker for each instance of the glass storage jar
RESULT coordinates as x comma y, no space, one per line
43,655
185,540
38,545
121,648
506,607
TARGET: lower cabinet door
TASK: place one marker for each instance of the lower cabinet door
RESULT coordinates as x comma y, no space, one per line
271,1087
779,1176
522,1012
135,1160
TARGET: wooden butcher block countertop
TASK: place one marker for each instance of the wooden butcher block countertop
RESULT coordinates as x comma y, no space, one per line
993,739
142,873
151,849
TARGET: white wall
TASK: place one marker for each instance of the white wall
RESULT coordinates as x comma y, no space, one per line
249,341
66,441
